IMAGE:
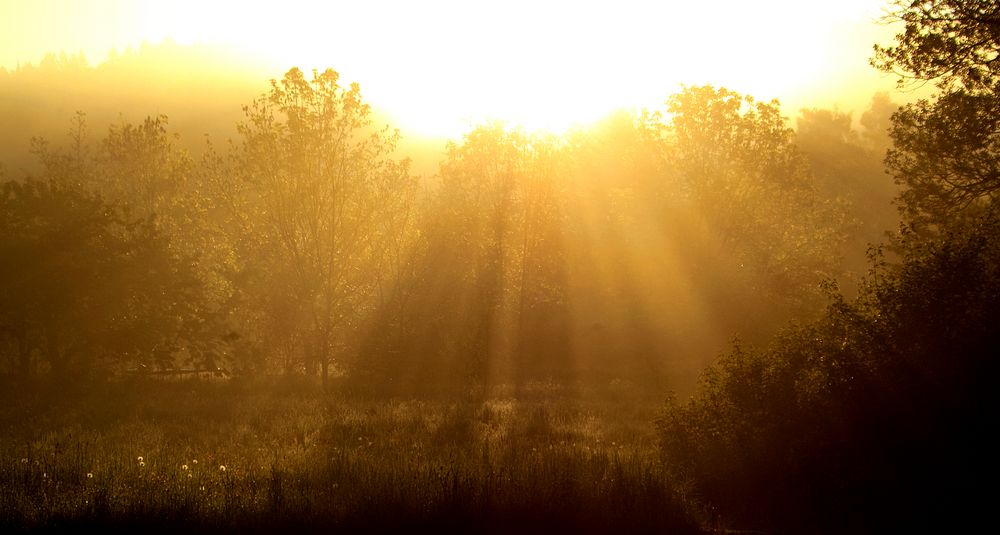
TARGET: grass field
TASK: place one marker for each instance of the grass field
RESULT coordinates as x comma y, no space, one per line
199,455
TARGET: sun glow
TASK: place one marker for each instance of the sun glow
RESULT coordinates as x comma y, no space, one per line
439,66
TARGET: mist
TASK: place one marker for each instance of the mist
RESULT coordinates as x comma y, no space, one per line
240,298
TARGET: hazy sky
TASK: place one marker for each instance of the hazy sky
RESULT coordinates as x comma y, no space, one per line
439,65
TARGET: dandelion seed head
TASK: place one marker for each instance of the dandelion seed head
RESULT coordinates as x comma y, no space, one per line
222,468
90,475
24,460
194,461
184,467
140,459
142,464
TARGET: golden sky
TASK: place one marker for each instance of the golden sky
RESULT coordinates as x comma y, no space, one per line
438,66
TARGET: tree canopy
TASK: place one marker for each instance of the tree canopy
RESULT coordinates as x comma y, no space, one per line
955,43
944,154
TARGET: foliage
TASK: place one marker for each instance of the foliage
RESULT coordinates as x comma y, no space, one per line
736,160
850,173
618,252
500,188
875,416
878,407
318,198
945,149
951,41
945,156
83,283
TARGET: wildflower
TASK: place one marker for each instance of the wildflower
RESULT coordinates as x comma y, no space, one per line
90,475
184,467
141,464
222,468
140,459
24,460
194,461
189,475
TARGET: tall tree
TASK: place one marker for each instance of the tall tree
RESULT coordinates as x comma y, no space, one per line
735,159
320,197
499,194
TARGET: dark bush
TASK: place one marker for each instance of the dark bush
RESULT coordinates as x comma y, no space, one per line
874,417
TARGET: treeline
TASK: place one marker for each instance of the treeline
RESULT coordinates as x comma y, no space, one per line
627,251
198,86
876,416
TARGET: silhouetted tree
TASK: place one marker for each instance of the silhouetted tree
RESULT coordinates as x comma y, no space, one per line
953,42
146,271
873,417
946,157
85,288
945,154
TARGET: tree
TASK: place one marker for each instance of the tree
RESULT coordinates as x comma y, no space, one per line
849,171
86,288
141,166
945,152
318,196
872,417
947,158
735,160
131,285
498,230
955,43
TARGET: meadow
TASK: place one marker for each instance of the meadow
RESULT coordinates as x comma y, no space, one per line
201,455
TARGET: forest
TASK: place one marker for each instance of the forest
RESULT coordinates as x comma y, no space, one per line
277,313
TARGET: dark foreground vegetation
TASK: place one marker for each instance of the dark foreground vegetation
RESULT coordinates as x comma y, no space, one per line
487,349
150,454
879,416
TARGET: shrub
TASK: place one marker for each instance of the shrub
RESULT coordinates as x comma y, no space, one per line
875,416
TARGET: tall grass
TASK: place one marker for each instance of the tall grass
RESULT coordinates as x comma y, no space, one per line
202,456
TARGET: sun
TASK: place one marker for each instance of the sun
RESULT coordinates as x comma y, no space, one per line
441,66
